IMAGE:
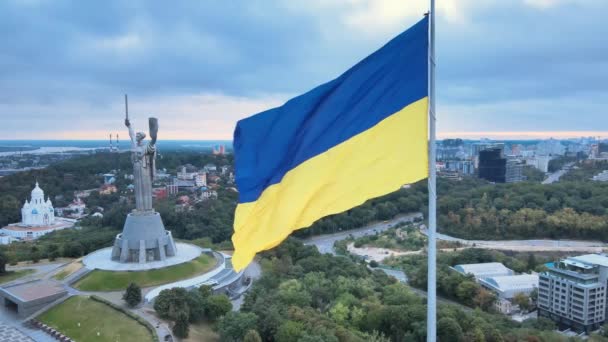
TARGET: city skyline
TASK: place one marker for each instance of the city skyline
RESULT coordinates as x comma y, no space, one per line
200,68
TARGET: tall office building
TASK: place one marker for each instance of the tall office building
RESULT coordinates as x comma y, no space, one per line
514,171
492,165
572,292
480,146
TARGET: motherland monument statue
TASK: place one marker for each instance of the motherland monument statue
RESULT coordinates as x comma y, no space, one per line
143,237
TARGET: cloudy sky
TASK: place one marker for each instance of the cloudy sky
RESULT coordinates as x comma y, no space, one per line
516,68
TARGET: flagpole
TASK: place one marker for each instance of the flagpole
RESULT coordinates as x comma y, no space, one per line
431,329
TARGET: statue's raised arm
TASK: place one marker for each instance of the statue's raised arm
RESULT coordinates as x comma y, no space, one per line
131,133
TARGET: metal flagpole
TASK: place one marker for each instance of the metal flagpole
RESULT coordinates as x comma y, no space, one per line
126,107
431,319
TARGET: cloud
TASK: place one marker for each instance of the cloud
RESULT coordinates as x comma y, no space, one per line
192,117
518,65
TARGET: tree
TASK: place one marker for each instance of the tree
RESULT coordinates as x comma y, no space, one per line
205,291
484,299
196,306
35,254
217,306
132,295
534,296
289,331
252,336
476,335
182,326
522,300
171,302
339,313
2,262
466,291
448,330
234,325
531,261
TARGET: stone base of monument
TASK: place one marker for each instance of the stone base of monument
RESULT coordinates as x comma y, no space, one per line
143,239
101,259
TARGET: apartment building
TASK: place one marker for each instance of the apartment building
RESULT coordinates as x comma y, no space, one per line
572,292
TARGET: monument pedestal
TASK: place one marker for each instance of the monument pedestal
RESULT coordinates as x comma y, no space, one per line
143,239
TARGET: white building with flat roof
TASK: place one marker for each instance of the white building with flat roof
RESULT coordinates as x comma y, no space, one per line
508,286
484,270
501,280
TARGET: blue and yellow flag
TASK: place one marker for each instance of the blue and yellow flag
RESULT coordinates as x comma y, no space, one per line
360,136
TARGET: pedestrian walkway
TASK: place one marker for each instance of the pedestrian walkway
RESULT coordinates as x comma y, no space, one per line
11,334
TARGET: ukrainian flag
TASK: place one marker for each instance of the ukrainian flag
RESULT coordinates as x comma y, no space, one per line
360,136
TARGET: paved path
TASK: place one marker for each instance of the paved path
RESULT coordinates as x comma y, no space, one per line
253,271
9,333
325,243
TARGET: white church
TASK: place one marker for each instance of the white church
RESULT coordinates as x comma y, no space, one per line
37,219
37,212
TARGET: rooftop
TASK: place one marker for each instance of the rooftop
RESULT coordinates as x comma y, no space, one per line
33,290
590,259
487,269
513,282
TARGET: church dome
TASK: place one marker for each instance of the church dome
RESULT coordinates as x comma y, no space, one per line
37,192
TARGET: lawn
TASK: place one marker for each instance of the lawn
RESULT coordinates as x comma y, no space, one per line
99,280
68,270
12,275
94,318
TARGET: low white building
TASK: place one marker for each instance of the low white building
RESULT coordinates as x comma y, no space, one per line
6,239
484,270
506,287
502,281
601,177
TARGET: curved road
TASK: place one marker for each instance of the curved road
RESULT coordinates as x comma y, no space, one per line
529,245
325,243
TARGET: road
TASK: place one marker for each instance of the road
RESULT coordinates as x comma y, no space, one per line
529,245
325,243
555,176
253,271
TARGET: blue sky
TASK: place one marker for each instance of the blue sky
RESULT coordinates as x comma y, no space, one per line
517,68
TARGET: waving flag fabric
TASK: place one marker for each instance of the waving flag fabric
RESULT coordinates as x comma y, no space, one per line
360,136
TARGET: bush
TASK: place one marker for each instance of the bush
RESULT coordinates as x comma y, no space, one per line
132,295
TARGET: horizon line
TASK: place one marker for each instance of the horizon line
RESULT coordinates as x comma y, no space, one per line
467,135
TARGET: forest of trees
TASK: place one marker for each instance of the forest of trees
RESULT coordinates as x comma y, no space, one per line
570,209
471,208
306,296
